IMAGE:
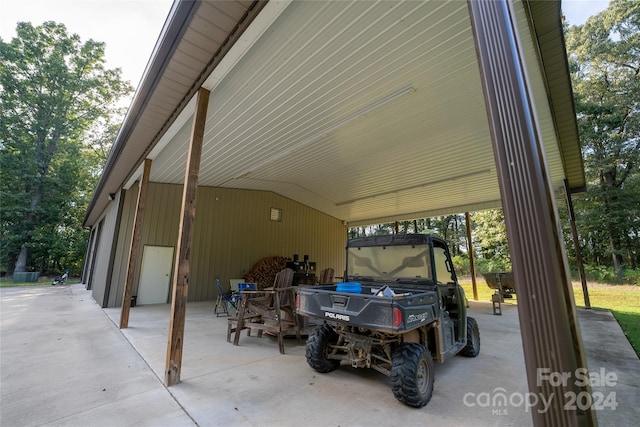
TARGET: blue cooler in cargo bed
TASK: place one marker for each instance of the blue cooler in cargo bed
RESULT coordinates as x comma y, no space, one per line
352,287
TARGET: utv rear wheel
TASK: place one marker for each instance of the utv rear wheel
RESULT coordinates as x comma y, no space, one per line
472,349
318,348
412,373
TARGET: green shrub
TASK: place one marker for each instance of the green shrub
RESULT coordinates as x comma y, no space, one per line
605,274
632,277
493,265
461,265
483,265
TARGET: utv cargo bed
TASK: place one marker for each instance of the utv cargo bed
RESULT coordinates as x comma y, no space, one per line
408,309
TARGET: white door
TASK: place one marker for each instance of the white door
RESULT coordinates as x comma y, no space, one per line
155,275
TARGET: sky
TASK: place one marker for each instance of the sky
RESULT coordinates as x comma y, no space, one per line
130,28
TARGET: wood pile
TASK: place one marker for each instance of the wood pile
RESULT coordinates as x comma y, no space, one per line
264,271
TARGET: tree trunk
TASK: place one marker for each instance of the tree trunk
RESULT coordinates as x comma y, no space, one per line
31,221
608,187
617,258
21,263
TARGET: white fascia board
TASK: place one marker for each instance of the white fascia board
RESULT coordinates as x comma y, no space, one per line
267,16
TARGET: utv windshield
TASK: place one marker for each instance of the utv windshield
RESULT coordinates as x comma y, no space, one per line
389,262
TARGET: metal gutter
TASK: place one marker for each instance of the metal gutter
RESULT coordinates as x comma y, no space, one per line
174,27
546,26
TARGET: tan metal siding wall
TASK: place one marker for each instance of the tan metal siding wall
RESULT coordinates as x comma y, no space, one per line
160,229
121,258
233,231
161,220
103,251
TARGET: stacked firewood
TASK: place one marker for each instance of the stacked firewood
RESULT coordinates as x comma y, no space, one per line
264,271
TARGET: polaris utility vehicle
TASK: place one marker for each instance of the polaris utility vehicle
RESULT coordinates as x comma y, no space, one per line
399,308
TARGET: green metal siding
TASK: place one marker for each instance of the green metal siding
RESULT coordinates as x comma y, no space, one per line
233,231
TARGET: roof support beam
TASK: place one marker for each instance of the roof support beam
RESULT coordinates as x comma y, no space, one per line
576,244
134,249
549,327
185,236
472,262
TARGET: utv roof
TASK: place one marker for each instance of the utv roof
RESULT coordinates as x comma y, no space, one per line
392,240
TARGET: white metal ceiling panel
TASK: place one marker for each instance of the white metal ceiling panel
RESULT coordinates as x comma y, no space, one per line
362,110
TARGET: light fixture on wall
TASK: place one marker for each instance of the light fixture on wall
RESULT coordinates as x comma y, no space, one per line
276,214
381,102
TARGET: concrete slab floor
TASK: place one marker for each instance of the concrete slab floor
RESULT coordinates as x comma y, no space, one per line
63,362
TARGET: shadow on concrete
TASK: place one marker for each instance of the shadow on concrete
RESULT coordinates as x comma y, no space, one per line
65,362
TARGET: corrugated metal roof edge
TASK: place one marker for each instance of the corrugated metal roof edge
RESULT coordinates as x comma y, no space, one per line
176,24
177,21
560,91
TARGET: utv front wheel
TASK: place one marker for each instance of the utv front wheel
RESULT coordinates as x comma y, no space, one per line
318,346
412,373
472,349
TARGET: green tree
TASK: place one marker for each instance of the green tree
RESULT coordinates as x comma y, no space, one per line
604,56
490,241
55,96
450,227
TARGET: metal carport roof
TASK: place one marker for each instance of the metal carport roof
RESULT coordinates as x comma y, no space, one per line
367,111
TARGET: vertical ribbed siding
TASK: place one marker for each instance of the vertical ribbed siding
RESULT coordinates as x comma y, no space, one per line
162,219
121,259
106,240
545,303
232,232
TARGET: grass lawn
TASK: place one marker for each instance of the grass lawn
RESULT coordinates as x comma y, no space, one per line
7,283
622,300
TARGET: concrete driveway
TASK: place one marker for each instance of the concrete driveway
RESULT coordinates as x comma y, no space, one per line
64,361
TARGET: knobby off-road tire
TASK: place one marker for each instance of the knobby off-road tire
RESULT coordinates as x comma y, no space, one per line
318,346
472,349
412,374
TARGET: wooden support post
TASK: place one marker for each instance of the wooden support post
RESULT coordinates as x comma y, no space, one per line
548,321
135,244
183,253
472,262
576,245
